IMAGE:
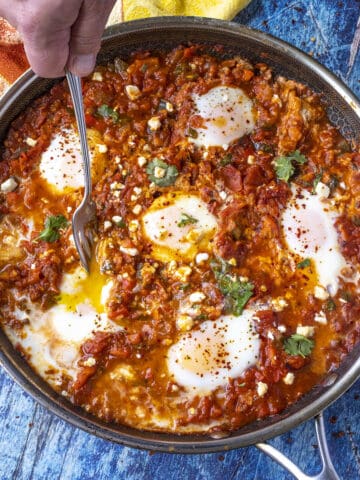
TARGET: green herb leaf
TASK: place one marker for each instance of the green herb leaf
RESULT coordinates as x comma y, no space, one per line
330,305
107,112
304,263
226,160
236,292
284,165
298,345
186,220
192,133
184,286
333,183
52,225
356,221
161,173
316,181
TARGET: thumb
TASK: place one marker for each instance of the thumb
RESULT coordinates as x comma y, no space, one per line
86,35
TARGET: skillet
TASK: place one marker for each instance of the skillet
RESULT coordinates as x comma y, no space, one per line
343,109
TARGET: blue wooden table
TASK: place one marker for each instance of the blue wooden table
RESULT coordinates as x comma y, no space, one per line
34,444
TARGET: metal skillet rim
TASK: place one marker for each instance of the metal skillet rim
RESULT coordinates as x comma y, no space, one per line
158,441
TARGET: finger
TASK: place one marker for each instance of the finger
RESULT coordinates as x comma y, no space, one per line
46,31
49,62
86,35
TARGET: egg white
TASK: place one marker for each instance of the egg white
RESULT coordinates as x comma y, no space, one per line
204,359
61,163
170,240
308,226
52,339
227,114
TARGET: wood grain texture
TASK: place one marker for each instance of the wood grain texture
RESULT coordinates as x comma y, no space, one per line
35,444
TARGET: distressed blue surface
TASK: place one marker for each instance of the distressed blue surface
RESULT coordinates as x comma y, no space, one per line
34,444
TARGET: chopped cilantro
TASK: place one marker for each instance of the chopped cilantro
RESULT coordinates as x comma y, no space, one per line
356,221
346,296
333,183
52,225
192,132
316,181
161,173
330,305
284,165
184,286
186,220
304,263
107,112
236,292
226,160
298,345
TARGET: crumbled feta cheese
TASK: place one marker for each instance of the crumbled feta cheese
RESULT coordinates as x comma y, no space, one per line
262,388
244,279
169,107
201,258
223,195
305,330
117,219
159,172
102,148
89,362
250,159
184,323
154,123
270,335
142,161
342,185
133,225
205,154
107,225
123,371
117,186
31,142
117,160
320,317
9,185
182,273
279,304
137,209
129,251
172,265
69,209
225,146
197,297
132,91
289,378
97,77
321,293
322,190
137,190
281,328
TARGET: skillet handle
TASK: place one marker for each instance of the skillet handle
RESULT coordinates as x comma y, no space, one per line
328,471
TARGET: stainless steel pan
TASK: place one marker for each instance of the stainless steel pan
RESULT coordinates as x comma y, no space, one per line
344,111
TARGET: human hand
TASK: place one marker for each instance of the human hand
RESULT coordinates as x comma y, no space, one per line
59,33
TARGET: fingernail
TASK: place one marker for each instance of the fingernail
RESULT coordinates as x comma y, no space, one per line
83,65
